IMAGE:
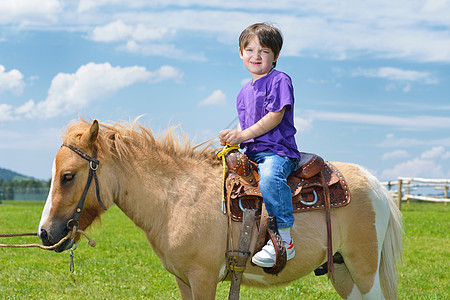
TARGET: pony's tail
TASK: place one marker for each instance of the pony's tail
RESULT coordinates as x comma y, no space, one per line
391,254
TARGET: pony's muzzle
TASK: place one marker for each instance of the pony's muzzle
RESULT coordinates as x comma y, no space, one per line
50,238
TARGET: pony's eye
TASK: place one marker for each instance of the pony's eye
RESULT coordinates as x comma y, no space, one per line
67,177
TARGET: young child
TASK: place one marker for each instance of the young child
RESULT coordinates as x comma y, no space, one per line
265,107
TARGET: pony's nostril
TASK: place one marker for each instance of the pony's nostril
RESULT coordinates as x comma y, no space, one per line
43,235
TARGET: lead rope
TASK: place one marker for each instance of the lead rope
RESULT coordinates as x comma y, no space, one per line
70,235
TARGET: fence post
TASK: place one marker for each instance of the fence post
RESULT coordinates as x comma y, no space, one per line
399,193
445,193
407,191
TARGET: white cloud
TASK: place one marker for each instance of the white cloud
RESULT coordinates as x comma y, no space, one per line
303,124
435,5
416,167
71,92
138,37
164,50
435,152
395,154
216,98
333,29
396,74
427,165
416,122
11,81
166,73
443,141
25,108
402,78
141,32
389,29
114,31
25,12
396,142
392,142
85,5
6,112
406,88
88,5
119,31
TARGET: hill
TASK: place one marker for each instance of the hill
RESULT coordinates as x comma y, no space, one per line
15,186
6,175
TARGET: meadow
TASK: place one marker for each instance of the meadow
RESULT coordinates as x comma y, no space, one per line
123,266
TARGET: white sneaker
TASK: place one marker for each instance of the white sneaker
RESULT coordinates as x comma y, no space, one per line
266,257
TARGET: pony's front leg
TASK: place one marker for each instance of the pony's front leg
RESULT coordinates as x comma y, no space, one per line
185,290
202,286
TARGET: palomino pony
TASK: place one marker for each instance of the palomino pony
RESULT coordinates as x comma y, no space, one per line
172,191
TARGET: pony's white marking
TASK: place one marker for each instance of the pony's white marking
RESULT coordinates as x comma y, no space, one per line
382,210
375,292
382,214
256,278
48,203
355,294
222,272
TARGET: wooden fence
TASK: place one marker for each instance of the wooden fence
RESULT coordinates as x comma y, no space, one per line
405,187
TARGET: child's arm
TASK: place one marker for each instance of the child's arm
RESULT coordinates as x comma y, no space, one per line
267,123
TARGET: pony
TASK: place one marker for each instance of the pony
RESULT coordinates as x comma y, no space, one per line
172,191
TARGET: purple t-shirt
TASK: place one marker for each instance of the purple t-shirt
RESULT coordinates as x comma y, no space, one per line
269,93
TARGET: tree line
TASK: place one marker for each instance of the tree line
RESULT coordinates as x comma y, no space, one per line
11,189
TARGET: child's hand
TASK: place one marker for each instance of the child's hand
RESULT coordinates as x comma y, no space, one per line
230,136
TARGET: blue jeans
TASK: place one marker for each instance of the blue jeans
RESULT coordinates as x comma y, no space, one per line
273,172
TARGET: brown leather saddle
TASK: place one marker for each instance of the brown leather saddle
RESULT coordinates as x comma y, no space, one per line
315,185
306,183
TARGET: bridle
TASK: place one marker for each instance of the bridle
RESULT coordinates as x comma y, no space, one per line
93,166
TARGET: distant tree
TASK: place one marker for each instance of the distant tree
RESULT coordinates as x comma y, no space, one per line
27,186
2,190
9,190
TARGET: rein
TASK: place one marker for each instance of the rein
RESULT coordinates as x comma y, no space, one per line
93,166
221,155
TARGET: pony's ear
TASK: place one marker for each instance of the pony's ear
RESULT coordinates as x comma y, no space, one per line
91,136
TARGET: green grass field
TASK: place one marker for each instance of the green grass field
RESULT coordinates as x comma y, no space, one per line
123,266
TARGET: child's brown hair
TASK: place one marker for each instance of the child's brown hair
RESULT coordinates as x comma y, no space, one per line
268,35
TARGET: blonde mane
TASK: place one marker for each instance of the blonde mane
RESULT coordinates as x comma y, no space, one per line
120,140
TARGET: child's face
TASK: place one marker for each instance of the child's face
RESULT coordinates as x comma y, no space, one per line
257,59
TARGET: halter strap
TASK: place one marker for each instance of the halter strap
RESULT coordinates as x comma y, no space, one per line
82,154
93,166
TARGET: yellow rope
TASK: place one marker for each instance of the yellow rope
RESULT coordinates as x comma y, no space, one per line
70,235
227,148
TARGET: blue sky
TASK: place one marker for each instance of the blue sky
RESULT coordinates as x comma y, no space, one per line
371,78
